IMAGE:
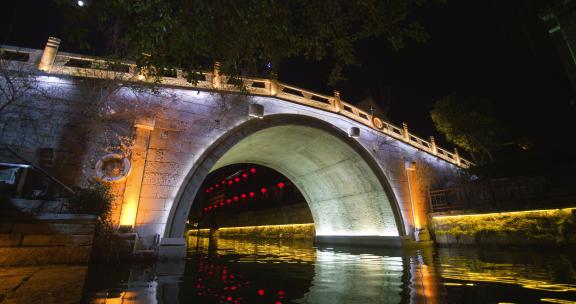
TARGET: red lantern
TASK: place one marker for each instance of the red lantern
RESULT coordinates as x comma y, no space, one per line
244,175
221,203
251,194
217,186
230,182
237,179
228,201
243,195
235,198
281,185
252,170
263,190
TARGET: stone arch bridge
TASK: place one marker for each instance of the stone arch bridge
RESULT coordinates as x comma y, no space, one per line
364,179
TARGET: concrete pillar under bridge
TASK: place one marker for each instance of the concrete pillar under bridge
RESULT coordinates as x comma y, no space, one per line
352,201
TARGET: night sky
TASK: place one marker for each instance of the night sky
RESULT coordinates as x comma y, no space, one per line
495,49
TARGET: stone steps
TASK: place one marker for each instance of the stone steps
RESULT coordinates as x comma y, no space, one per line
46,239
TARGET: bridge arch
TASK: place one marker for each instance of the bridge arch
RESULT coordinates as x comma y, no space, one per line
347,192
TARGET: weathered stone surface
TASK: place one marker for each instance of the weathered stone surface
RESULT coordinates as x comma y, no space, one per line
10,240
14,256
53,228
49,284
56,240
5,227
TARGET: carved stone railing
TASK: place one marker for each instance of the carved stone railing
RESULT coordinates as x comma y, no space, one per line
69,64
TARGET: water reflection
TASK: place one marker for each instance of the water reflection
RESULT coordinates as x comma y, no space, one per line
284,271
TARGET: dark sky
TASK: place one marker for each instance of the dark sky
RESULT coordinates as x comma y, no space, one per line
490,48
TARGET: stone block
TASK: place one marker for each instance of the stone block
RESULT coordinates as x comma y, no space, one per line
153,191
162,179
10,240
53,228
49,240
15,256
159,155
157,204
5,227
164,167
152,217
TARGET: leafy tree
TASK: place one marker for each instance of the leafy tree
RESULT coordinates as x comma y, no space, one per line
248,36
467,122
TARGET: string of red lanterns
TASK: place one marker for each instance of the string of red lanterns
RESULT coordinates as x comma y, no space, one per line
230,181
242,196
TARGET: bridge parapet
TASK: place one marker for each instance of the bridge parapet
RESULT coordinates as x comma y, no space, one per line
68,64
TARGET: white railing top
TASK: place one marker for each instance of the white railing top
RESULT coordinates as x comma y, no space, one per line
85,66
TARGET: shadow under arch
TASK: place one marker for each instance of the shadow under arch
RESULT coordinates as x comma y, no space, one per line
347,191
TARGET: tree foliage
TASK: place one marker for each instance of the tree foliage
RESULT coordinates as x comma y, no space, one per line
248,37
468,123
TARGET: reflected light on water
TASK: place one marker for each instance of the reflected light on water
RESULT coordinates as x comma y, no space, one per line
221,270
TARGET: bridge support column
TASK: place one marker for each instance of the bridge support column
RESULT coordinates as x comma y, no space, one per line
172,248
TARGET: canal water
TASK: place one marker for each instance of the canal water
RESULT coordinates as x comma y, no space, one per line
290,271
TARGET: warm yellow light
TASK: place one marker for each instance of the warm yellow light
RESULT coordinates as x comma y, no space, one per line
502,213
128,215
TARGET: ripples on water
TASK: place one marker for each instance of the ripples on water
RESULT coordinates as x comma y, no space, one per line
280,271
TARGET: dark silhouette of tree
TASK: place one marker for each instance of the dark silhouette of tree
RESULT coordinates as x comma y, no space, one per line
468,123
248,36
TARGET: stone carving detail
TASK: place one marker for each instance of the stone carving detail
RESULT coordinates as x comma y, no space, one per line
112,168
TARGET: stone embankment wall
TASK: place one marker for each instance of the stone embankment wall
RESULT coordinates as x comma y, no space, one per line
46,239
522,228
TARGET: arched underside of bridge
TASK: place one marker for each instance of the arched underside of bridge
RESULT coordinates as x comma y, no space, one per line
348,195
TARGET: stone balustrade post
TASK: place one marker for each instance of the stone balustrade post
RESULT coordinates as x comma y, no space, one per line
49,54
433,147
217,80
405,132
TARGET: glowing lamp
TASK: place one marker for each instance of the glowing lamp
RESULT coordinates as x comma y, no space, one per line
207,190
235,198
244,175
217,186
263,190
228,201
251,194
243,195
237,179
211,188
252,170
230,182
280,185
260,292
223,182
221,203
